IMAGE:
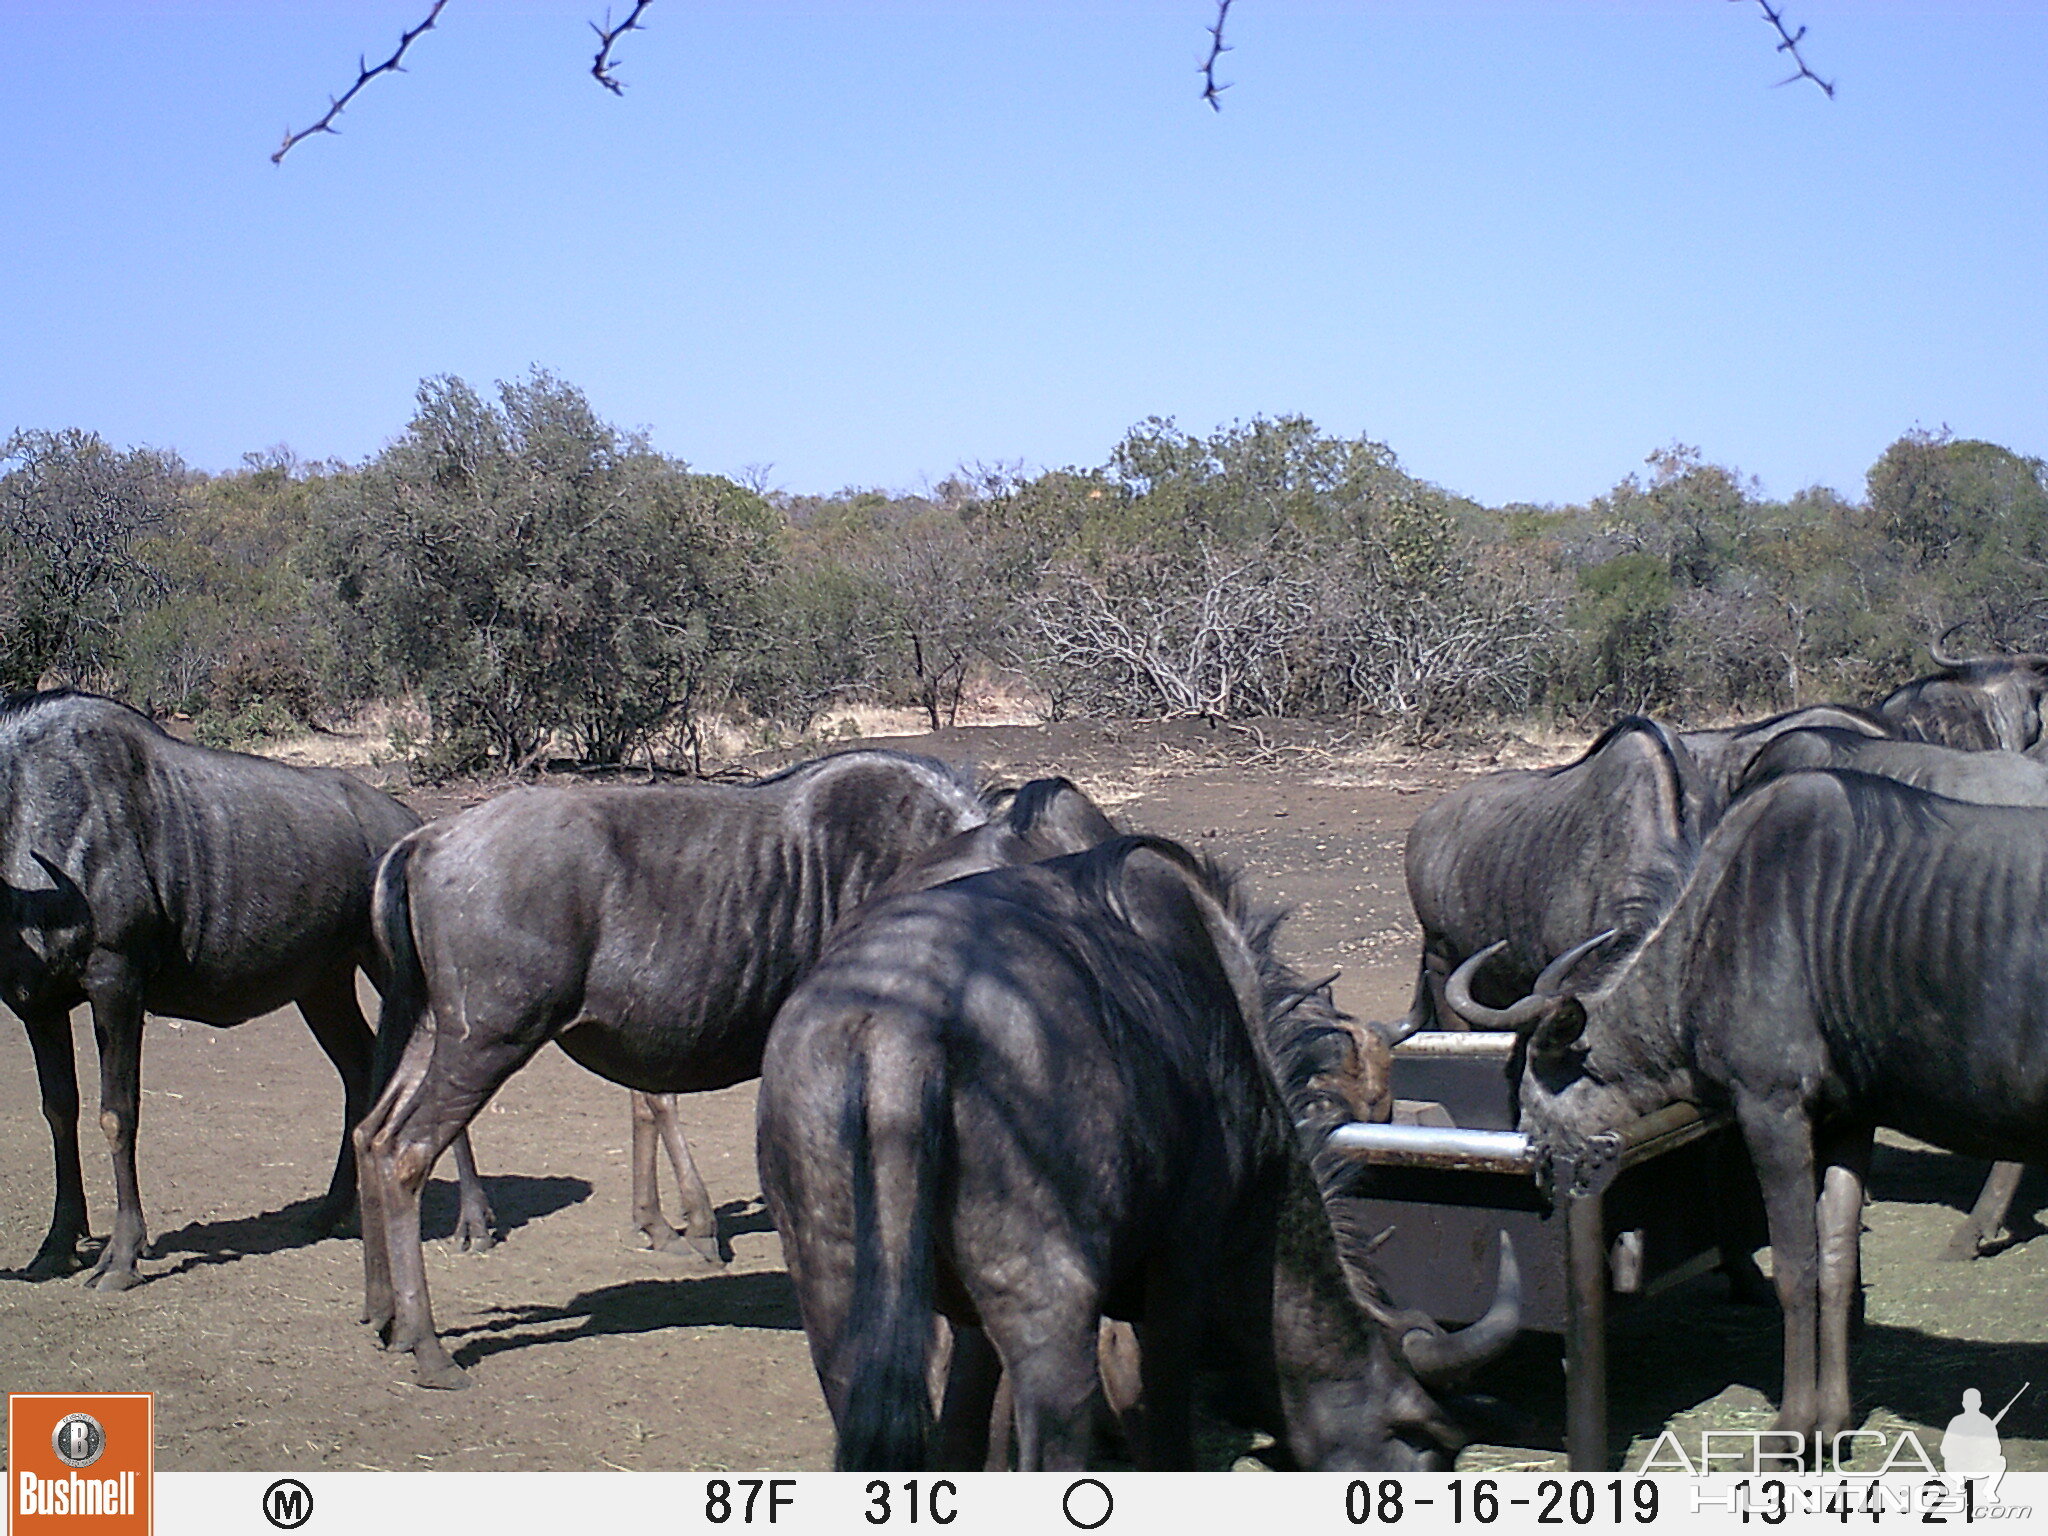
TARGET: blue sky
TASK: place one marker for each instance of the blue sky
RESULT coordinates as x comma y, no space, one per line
1525,244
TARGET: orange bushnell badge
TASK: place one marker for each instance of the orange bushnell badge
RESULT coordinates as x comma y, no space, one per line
80,1463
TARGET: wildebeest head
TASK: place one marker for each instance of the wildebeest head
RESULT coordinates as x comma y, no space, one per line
1373,1406
1571,1087
1974,702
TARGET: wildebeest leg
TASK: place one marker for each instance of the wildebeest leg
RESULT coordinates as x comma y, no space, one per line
1982,1228
647,1217
1166,1348
658,1114
373,1189
330,1011
966,1437
700,1221
441,1082
476,1223
1123,1386
49,1035
1780,1141
1841,1240
1001,1454
117,1026
1056,1387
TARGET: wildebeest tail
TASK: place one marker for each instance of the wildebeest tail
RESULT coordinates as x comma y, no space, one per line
897,1130
405,983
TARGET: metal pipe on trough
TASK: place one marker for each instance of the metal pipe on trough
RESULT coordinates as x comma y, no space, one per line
1458,1042
1433,1146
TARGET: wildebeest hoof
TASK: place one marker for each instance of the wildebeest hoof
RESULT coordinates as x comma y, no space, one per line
113,1277
474,1239
1969,1243
54,1263
441,1374
682,1246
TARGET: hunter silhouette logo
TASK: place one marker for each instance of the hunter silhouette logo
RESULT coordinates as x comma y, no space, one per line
1969,1446
80,1464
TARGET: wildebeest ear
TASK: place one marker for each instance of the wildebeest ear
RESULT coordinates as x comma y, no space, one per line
1558,1030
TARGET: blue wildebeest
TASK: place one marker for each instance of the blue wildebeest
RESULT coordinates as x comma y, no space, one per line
1995,777
1038,1096
1539,858
1725,756
139,872
1850,952
652,931
1974,702
1043,818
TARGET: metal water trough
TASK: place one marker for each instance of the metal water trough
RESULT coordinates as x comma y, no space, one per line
1641,1209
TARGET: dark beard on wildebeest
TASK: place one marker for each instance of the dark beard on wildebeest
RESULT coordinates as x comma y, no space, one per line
1035,1097
652,930
139,872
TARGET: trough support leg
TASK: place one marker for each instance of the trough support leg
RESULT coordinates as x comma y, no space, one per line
1585,1347
1981,1228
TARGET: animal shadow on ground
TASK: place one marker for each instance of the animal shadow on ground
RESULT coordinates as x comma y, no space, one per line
741,1218
1671,1353
517,1200
1922,1176
764,1299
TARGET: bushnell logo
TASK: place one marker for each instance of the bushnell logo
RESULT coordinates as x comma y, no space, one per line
78,1440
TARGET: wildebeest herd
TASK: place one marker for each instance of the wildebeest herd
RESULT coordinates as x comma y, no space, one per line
1043,1114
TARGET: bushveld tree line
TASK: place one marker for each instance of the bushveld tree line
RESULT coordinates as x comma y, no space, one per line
541,582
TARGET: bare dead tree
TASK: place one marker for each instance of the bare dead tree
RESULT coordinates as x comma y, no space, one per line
1212,93
1169,636
1788,42
364,75
601,67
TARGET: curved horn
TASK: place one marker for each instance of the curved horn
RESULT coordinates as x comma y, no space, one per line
1394,1031
1554,973
1941,659
1458,996
1440,1357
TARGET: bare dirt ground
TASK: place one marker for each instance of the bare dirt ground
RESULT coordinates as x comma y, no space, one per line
587,1353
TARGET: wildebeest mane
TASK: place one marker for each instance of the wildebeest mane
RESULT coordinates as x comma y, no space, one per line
1856,712
13,704
945,776
1298,1042
1650,886
1028,803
